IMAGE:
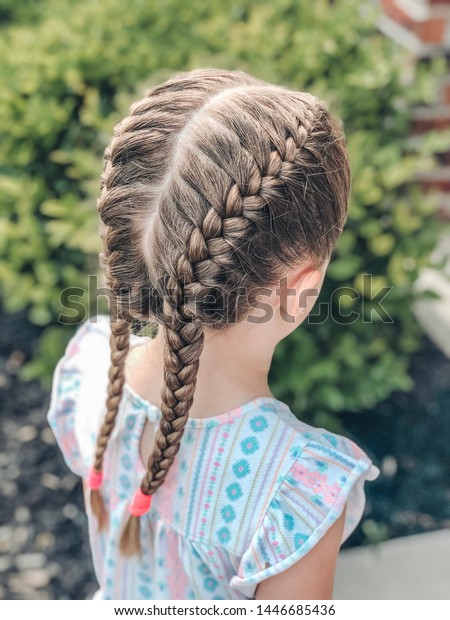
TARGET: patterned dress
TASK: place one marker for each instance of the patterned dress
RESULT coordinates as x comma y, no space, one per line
250,492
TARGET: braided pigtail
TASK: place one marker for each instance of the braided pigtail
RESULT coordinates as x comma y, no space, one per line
184,340
120,324
119,345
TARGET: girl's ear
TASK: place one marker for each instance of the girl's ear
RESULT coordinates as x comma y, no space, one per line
301,293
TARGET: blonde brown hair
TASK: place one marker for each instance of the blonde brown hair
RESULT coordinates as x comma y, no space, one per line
212,186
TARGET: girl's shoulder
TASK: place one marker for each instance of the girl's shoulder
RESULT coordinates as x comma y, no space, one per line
79,390
324,472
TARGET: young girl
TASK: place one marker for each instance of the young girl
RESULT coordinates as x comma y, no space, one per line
222,197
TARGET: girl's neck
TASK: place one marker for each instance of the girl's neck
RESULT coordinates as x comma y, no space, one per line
233,370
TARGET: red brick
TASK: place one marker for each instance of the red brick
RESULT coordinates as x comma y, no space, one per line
440,184
428,31
424,125
431,30
394,12
445,94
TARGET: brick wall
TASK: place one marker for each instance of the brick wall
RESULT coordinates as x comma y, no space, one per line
423,26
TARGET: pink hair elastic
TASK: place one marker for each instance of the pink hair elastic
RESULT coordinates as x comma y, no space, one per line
140,504
94,479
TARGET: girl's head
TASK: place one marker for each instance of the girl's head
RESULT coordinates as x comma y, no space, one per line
214,187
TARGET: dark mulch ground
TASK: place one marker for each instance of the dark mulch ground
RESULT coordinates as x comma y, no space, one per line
44,550
409,437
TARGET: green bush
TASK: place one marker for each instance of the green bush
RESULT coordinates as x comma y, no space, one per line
69,75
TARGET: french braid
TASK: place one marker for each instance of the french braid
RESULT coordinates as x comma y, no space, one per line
178,358
213,185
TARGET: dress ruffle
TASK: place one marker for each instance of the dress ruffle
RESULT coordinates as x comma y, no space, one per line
79,390
327,474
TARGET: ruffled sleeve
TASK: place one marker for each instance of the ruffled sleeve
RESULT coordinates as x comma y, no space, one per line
328,473
79,390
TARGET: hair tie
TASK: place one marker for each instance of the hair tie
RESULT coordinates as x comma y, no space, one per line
140,504
94,479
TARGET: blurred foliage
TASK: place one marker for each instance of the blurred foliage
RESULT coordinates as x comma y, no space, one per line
70,71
